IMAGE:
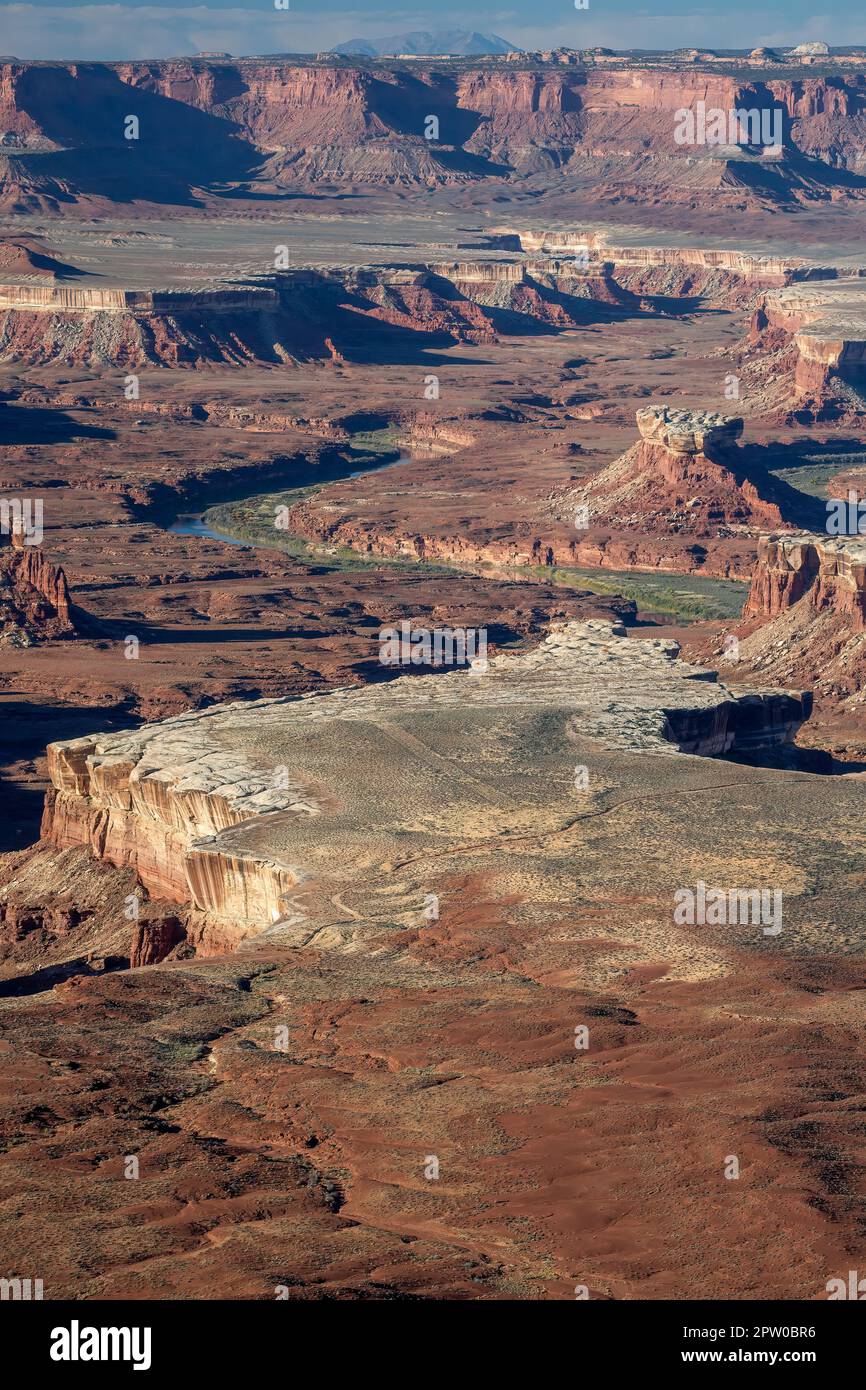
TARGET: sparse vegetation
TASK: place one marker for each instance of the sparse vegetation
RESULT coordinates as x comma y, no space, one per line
687,598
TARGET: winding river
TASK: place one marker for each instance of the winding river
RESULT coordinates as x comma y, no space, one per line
663,596
196,523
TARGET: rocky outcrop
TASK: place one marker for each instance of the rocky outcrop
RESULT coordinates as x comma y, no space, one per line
65,914
718,276
688,432
685,475
823,572
151,801
301,314
34,597
193,806
63,298
819,333
805,621
61,323
153,940
757,270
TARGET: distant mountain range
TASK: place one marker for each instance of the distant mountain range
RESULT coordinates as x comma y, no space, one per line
458,41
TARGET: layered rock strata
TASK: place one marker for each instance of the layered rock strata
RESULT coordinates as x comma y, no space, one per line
144,800
805,621
688,432
684,476
823,326
822,571
592,245
299,314
259,126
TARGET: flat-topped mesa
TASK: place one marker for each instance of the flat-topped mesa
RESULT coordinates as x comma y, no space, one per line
84,325
825,326
299,314
688,431
805,618
261,127
53,298
255,811
830,350
482,272
834,346
685,476
760,271
825,573
518,271
545,288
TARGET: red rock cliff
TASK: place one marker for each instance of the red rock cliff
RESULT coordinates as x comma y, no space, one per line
34,596
825,572
263,122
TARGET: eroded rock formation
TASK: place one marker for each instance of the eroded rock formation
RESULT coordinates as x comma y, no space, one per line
260,126
301,314
34,596
685,475
231,808
825,572
815,339
757,270
688,432
805,621
144,800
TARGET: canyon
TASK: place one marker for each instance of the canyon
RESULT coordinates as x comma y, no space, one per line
209,129
284,373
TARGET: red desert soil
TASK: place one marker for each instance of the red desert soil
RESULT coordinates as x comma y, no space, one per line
283,1101
261,1169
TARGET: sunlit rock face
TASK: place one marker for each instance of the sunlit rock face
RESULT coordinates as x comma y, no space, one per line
688,431
244,809
35,604
823,324
144,799
823,572
805,619
270,125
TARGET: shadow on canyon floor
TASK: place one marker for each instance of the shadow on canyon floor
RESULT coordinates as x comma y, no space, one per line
50,975
177,147
27,424
26,728
765,466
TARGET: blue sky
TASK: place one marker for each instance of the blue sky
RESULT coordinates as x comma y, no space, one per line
164,28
